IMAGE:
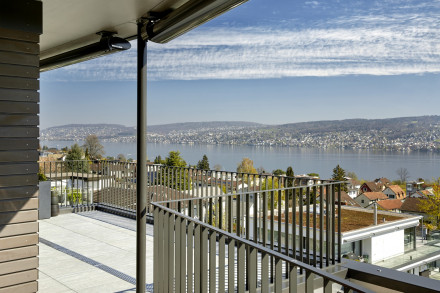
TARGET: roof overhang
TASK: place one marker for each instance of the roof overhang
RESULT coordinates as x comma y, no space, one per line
70,25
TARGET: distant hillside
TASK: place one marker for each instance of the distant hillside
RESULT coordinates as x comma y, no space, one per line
194,126
403,134
399,126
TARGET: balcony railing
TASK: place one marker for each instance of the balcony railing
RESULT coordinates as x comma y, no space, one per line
198,248
224,231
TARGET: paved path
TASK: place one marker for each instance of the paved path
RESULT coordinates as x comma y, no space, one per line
90,252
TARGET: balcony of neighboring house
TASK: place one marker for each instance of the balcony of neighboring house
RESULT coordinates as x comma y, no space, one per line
210,231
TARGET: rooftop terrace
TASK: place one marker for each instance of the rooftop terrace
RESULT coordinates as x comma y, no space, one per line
90,252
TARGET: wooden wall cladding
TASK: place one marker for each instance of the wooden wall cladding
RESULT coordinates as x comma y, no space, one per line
19,109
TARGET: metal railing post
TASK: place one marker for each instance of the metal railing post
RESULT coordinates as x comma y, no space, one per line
141,178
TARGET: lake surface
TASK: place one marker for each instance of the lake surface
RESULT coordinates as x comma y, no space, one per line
367,164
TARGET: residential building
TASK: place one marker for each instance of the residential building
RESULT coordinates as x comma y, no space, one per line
370,187
353,187
367,198
394,192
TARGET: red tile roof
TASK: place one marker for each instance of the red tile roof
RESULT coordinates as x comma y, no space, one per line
390,204
375,195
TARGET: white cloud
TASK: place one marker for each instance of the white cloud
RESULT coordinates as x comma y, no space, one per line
372,45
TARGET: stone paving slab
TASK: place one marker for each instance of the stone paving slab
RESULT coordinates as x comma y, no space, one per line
90,252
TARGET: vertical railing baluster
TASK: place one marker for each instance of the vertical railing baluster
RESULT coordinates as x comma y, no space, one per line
272,231
293,278
310,282
197,259
286,227
339,224
264,272
321,226
157,250
278,275
204,260
231,265
314,226
171,252
190,248
241,267
301,226
221,264
178,245
183,257
252,270
166,262
212,262
308,225
327,226
333,243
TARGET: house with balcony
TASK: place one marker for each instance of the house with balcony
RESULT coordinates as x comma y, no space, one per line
186,252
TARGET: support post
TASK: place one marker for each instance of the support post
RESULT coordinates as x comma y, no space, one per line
141,174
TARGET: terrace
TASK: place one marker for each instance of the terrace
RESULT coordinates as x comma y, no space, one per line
205,229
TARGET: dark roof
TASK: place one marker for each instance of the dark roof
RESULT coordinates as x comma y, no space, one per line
347,200
383,180
411,204
373,186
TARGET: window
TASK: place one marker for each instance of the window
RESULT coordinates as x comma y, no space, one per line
362,201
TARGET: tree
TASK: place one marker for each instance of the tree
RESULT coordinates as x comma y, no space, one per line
431,206
121,158
174,178
75,160
158,160
278,172
203,163
339,175
313,175
246,166
352,175
175,160
403,174
261,170
94,147
269,184
290,182
218,167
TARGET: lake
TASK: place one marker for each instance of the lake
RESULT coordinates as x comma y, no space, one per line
367,164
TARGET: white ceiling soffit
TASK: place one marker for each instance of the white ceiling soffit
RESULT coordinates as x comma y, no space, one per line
70,24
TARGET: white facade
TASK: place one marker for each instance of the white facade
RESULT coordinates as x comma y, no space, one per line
384,246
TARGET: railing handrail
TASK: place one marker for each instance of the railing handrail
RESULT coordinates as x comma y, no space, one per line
251,192
264,249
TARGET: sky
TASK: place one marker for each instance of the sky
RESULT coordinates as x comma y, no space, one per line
271,62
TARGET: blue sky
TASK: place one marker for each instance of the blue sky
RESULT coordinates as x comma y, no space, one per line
271,62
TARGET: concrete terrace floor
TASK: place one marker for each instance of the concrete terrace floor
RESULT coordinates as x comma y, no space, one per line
90,252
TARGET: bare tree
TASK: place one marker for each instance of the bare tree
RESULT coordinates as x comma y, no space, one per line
403,174
218,167
121,158
93,147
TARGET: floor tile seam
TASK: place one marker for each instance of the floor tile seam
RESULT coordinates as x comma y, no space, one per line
64,285
98,265
89,261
